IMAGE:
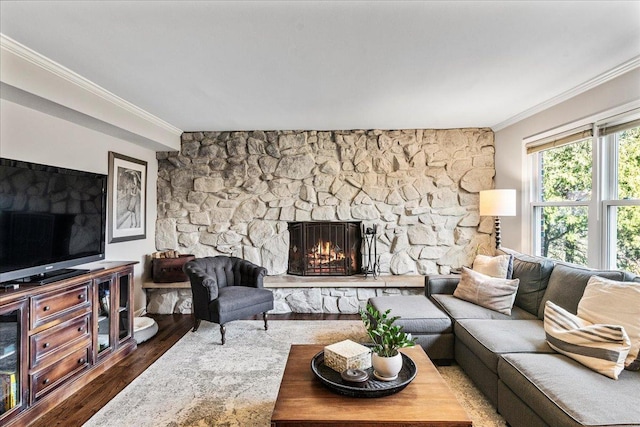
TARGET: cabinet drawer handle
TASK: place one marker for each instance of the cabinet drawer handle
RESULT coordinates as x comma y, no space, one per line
46,381
47,308
81,328
81,361
46,345
81,296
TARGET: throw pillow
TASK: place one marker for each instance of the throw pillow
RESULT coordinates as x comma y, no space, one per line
486,291
500,266
600,347
617,303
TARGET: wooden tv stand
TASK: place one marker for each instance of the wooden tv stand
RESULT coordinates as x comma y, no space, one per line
59,336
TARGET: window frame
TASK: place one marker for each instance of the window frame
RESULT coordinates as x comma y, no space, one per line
610,198
537,204
601,225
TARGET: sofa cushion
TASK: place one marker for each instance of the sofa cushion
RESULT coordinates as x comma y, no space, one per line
461,309
418,315
500,266
533,273
489,292
567,283
614,303
488,339
555,386
600,347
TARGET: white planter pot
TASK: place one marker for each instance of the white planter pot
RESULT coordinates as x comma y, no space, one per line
386,368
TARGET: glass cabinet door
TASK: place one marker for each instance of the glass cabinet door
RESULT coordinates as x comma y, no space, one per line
13,336
124,318
103,312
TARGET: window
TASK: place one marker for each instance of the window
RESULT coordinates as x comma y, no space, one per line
586,195
564,195
622,200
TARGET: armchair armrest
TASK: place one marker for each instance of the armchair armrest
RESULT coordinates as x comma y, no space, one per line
203,285
441,284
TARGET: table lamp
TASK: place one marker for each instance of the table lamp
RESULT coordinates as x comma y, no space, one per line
498,203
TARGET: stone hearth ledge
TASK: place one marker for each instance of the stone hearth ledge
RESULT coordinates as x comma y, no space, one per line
297,294
355,281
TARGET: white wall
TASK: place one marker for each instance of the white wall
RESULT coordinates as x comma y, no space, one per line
31,135
511,162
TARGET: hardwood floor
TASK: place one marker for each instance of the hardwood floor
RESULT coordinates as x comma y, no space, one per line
81,406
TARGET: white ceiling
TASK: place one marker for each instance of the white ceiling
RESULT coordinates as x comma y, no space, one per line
207,65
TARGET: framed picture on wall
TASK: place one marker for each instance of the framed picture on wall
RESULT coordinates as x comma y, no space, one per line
127,198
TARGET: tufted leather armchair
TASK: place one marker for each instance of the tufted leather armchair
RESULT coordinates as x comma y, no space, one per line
225,289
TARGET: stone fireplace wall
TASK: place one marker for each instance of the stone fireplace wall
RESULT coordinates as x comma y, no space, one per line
233,193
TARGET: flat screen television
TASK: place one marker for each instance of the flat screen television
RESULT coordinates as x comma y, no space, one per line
51,219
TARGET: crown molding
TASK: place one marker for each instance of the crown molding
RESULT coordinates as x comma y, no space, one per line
621,69
33,57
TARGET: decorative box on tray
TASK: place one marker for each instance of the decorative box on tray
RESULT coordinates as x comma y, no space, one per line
347,355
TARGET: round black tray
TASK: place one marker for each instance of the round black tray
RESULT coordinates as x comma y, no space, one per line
370,388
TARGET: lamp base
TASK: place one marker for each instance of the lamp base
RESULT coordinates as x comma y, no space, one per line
497,227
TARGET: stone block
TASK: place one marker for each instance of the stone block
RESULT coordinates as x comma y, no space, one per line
323,213
305,300
401,263
298,166
275,253
208,185
161,301
348,305
287,213
477,179
166,234
185,302
251,254
365,212
330,305
365,293
427,267
259,232
421,235
280,305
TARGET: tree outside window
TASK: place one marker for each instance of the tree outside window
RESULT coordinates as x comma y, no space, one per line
566,177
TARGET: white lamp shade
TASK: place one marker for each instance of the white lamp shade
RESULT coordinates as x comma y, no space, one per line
498,203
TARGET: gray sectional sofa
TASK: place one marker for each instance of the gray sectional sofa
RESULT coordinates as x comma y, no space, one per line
508,357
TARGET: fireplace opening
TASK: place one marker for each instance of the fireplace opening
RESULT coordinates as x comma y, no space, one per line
324,248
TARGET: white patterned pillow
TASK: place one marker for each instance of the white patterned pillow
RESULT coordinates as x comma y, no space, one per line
486,291
500,266
602,348
618,303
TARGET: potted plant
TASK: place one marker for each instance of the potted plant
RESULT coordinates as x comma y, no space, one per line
387,339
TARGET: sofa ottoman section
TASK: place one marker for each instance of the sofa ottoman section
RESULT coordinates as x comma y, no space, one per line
564,393
480,343
420,317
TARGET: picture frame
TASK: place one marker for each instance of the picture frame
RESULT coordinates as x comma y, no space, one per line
127,198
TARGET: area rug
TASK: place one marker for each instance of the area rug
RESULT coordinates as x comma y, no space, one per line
199,383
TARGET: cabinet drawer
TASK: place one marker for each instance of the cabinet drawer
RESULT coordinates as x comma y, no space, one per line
55,341
57,304
51,377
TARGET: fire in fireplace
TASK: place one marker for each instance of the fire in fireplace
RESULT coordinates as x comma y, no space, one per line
324,248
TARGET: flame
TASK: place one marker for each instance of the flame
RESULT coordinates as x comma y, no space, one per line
324,252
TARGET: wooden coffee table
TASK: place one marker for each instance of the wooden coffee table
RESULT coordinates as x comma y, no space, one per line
304,401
